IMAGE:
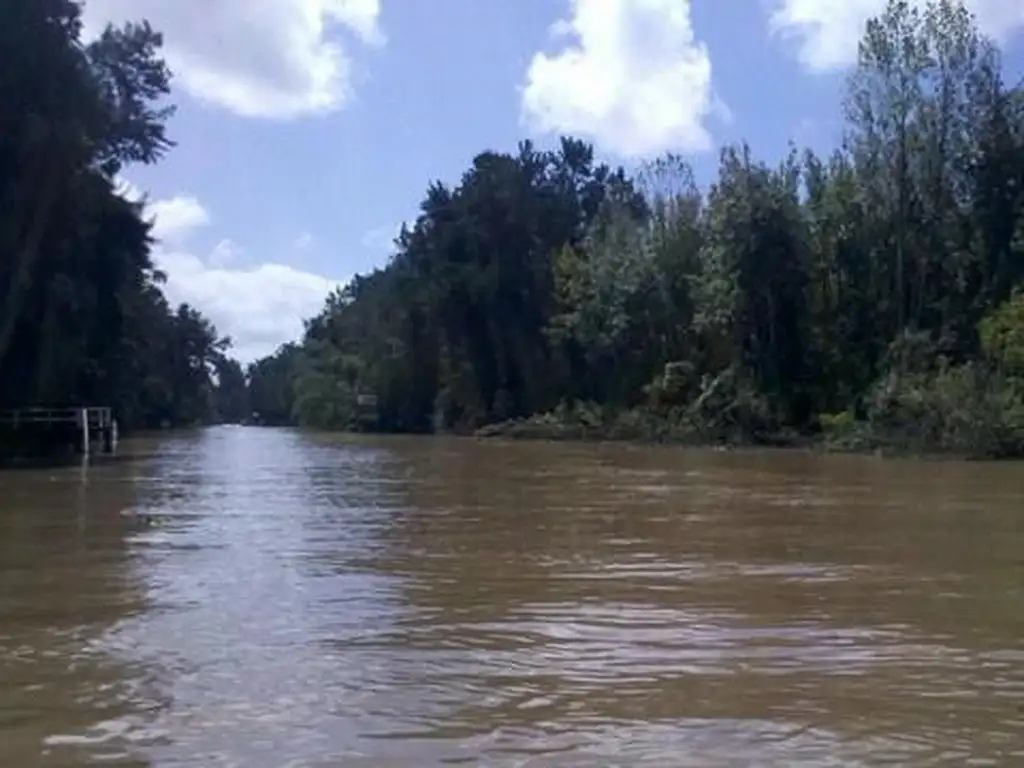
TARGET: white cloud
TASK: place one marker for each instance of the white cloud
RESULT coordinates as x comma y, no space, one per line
260,307
224,254
173,218
177,217
631,76
257,58
827,32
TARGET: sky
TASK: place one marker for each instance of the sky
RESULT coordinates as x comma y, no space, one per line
308,130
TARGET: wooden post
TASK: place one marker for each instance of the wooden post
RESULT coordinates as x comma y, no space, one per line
84,416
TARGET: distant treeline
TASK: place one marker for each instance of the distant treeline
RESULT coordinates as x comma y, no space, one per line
82,316
872,295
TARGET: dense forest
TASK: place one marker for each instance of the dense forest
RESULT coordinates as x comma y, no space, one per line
83,320
871,296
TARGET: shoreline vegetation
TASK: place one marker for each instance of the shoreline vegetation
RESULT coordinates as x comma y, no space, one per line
845,436
867,299
84,320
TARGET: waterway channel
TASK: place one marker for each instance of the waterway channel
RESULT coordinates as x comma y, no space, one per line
263,597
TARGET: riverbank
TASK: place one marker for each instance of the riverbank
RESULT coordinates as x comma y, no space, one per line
634,426
838,433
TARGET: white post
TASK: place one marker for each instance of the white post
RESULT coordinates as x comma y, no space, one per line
85,431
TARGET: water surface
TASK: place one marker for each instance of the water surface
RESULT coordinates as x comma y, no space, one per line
258,597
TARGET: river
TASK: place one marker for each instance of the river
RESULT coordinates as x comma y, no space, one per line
257,597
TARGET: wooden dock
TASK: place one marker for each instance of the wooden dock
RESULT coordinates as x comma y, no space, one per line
78,428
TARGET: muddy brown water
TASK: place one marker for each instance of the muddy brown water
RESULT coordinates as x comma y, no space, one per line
257,597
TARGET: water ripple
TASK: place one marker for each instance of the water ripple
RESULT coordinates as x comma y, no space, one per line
246,597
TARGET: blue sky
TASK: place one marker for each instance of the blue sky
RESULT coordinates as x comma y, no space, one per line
308,130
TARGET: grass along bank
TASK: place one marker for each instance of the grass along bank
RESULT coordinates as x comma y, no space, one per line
962,411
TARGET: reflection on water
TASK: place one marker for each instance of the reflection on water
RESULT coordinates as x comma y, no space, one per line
257,597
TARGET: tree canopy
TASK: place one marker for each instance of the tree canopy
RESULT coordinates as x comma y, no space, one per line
871,293
83,319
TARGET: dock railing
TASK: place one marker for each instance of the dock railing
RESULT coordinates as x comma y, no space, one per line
88,421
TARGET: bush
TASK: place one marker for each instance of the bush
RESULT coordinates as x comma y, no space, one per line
966,410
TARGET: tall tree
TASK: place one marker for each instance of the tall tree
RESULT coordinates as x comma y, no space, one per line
82,316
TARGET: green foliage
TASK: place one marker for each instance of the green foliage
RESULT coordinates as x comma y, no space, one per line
231,393
959,409
859,285
1002,334
674,386
82,317
326,388
271,387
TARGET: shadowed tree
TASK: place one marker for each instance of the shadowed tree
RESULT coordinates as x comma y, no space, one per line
82,317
